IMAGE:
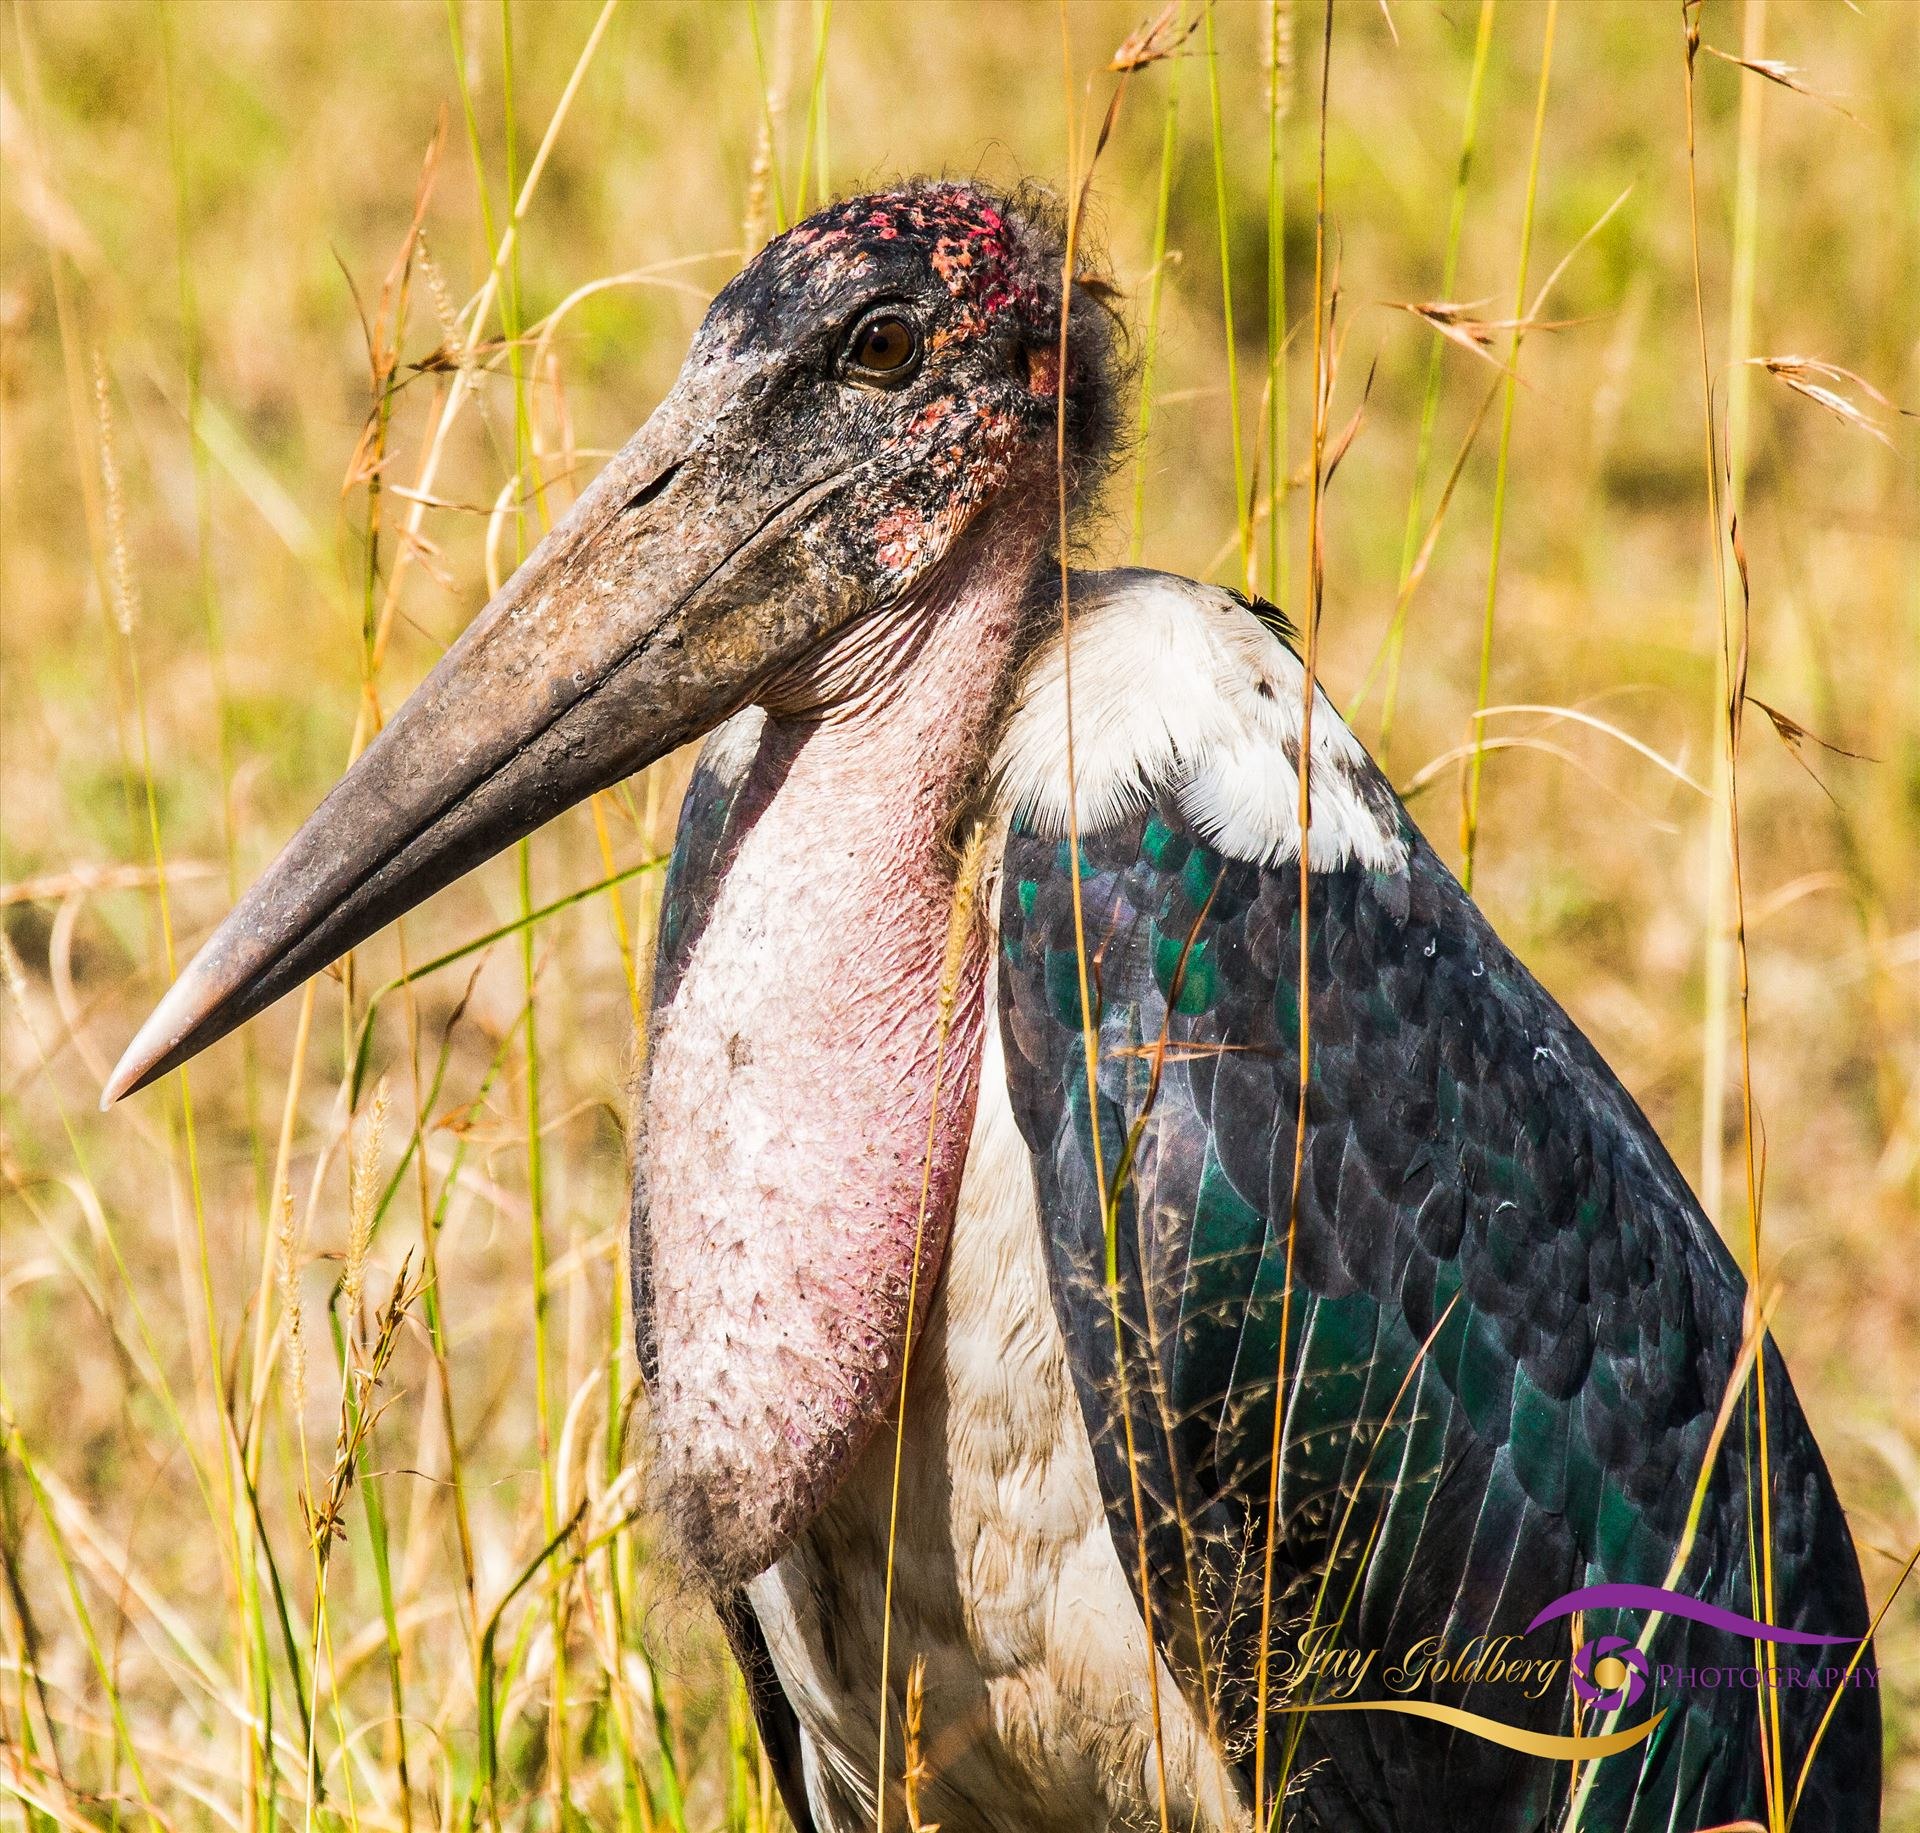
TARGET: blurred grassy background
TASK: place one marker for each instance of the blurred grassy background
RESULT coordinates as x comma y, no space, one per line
200,205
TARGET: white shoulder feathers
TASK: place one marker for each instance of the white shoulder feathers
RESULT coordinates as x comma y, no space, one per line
1178,685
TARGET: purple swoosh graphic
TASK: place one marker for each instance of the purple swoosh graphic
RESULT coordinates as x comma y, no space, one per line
1675,1604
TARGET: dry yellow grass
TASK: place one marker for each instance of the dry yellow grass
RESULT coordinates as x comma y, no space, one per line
201,207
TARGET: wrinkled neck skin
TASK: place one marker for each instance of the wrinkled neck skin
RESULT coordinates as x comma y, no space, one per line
791,1095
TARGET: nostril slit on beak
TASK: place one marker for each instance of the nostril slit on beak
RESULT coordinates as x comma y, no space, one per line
647,492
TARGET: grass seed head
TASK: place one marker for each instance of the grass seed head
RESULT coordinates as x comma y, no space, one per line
126,594
363,1200
296,1348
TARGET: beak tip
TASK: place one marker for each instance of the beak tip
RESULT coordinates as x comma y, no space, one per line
161,1042
121,1083
134,1070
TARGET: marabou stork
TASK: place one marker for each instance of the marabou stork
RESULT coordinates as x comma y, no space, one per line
865,1131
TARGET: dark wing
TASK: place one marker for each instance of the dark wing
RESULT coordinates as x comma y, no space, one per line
703,843
1474,1181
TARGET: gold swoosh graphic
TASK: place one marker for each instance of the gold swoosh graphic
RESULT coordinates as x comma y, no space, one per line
1529,1743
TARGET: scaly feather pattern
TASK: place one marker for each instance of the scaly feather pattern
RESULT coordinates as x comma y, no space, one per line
1474,1180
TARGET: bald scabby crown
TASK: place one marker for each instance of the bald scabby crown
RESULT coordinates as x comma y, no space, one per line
1000,256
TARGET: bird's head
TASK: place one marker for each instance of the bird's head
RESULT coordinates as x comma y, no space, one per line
875,384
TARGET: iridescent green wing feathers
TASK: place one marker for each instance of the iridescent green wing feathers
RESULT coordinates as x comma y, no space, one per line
1508,1331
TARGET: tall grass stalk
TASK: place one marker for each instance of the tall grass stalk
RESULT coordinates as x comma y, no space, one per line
526,465
1279,62
1430,399
1156,288
1735,638
813,140
1242,508
1470,810
1323,378
1739,396
766,186
1721,891
193,365
386,335
1079,174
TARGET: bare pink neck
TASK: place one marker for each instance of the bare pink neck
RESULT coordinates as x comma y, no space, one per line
791,1100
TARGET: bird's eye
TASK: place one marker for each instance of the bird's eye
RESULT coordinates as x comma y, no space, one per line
883,348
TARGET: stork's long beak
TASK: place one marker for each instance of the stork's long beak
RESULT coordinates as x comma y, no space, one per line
645,618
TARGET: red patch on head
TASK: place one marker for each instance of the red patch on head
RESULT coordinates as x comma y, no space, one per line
997,269
900,538
972,251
